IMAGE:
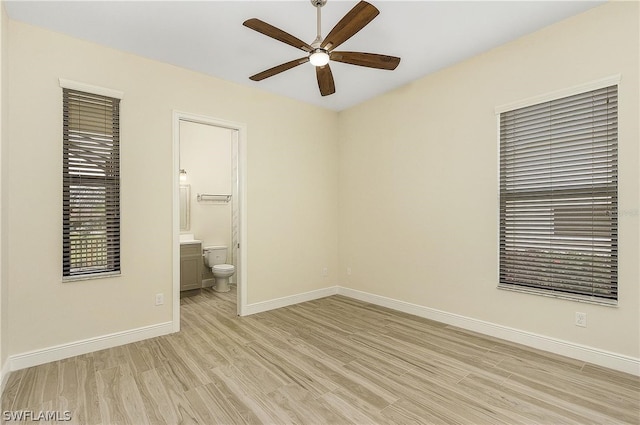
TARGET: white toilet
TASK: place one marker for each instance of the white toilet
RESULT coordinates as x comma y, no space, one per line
215,257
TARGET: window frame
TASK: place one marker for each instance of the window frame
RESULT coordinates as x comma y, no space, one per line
114,253
536,100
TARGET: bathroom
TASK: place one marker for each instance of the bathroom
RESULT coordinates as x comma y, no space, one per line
208,207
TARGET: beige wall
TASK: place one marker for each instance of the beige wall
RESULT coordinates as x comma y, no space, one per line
4,24
291,188
418,181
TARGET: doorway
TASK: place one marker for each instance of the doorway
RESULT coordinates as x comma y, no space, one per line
237,246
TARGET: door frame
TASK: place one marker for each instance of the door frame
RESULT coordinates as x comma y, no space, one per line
241,181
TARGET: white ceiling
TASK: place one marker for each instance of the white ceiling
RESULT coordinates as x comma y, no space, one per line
208,36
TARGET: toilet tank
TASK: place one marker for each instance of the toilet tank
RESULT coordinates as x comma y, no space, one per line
215,255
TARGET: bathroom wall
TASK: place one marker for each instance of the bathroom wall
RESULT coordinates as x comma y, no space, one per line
206,154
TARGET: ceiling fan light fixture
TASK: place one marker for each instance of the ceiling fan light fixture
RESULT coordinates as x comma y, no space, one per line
319,57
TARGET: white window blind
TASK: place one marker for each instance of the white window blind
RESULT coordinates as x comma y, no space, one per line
91,184
559,197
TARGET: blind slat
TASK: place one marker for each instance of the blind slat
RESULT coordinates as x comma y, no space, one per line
558,196
91,184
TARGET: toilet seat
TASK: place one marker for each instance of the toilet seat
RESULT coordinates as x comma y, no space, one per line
223,267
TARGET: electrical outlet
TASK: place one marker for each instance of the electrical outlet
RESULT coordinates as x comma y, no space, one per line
581,319
159,299
348,271
325,271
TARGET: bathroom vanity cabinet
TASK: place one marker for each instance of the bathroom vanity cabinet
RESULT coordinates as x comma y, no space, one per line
190,266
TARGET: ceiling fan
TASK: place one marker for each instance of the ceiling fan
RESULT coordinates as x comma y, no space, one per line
321,50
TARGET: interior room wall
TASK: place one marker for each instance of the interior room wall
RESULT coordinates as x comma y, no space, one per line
291,188
419,181
4,21
206,154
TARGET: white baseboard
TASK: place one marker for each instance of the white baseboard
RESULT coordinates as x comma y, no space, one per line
585,353
577,351
290,300
63,351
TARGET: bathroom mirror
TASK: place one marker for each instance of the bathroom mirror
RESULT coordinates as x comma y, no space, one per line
185,196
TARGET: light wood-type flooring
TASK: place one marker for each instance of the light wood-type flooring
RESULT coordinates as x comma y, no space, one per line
329,361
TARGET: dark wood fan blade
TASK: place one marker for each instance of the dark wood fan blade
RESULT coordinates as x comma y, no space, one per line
277,33
325,80
370,60
356,19
278,69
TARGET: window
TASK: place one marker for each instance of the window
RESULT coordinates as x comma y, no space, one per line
558,197
91,184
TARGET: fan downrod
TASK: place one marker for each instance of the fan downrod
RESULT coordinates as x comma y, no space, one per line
318,5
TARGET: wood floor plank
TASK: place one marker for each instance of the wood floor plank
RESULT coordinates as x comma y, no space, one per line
333,360
291,372
590,406
353,409
575,384
156,399
520,403
254,367
423,390
624,382
212,406
547,361
303,408
406,413
422,354
243,398
175,388
387,361
38,385
204,407
68,390
87,409
190,358
11,390
120,400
